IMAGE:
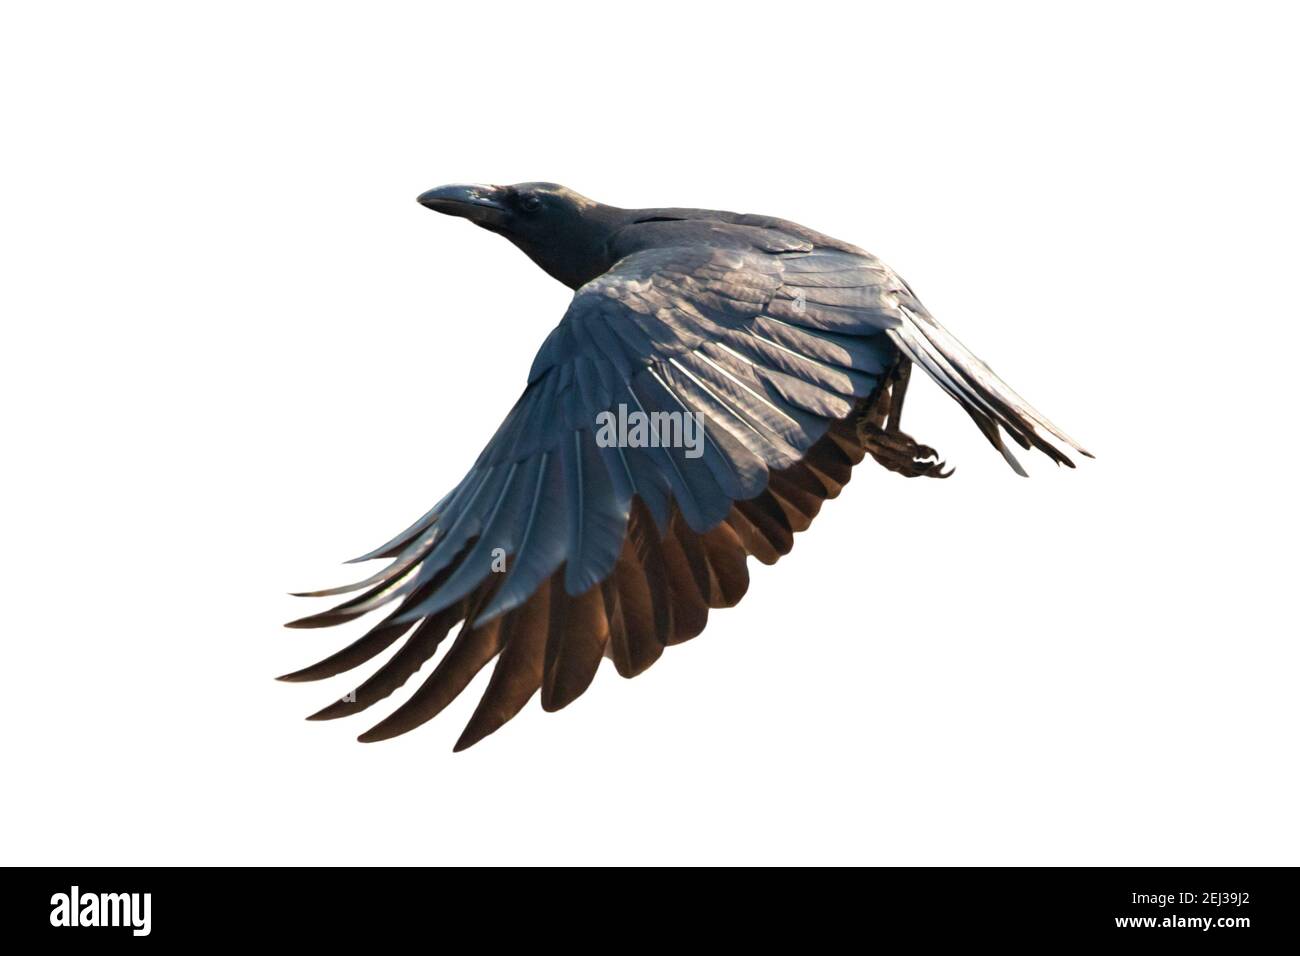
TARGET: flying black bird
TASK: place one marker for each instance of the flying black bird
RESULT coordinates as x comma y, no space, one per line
571,539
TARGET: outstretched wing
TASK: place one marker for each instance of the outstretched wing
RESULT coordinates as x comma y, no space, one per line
773,345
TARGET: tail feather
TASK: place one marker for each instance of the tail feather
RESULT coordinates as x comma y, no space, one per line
985,397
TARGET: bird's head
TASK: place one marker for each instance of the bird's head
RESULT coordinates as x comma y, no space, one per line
563,232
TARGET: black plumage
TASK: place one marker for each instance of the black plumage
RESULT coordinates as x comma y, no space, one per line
793,351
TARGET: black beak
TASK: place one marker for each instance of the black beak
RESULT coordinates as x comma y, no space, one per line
479,204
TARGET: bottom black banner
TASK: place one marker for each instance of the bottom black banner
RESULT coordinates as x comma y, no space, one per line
1223,907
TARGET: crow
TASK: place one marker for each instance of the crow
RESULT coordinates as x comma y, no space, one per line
571,540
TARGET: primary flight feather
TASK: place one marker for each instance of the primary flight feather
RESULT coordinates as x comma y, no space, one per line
780,355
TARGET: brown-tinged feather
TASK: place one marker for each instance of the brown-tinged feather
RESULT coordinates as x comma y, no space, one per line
647,550
635,643
696,558
769,520
799,507
843,441
827,459
471,650
613,613
690,612
373,642
727,561
797,521
802,477
754,543
410,657
575,644
518,671
833,487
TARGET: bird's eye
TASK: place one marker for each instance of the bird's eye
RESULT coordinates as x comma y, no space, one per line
530,203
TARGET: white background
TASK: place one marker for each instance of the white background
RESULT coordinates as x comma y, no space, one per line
237,352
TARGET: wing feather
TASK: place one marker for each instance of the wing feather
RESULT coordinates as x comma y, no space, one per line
518,672
575,644
473,649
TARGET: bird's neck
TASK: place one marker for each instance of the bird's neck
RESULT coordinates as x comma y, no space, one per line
585,252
